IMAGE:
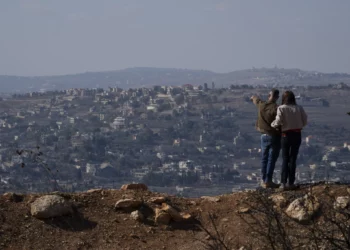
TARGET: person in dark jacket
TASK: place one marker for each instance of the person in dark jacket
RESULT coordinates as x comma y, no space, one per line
270,137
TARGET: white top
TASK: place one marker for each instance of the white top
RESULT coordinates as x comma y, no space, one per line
290,117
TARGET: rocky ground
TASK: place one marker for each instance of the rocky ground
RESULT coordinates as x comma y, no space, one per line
312,217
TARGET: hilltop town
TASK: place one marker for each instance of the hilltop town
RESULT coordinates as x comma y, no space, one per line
148,77
187,140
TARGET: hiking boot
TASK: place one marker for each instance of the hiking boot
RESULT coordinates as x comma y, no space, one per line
288,187
292,187
270,184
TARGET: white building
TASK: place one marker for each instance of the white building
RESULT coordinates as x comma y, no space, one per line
71,120
90,169
118,122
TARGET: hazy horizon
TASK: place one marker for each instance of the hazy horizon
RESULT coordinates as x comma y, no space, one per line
68,37
162,68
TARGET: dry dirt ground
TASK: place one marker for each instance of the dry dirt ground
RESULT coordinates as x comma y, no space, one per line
96,224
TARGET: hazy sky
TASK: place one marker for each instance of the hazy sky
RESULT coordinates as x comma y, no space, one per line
43,37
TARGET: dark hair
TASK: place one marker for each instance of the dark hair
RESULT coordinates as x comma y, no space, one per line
288,98
275,93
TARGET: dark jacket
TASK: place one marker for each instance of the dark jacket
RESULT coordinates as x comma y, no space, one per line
267,112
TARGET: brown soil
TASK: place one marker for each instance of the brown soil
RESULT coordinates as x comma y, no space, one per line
97,225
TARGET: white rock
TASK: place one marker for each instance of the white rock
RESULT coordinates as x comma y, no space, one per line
49,206
211,198
94,190
244,210
186,216
137,215
342,202
225,220
303,209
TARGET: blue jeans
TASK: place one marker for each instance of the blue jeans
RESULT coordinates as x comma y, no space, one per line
270,150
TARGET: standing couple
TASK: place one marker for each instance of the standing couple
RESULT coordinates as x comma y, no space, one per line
280,126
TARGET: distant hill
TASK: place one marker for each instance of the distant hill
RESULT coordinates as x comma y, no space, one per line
138,77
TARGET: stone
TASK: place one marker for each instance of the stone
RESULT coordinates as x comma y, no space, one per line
137,215
348,190
193,203
49,206
303,209
95,190
225,220
279,200
128,204
30,199
162,217
175,215
157,200
211,198
134,186
244,210
186,216
342,202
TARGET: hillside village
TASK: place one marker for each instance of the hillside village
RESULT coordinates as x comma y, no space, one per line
186,140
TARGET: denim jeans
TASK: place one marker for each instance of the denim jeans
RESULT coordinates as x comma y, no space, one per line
270,150
290,148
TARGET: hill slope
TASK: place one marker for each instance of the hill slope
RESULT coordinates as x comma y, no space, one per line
234,219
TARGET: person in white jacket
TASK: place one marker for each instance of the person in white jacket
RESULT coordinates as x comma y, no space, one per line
291,118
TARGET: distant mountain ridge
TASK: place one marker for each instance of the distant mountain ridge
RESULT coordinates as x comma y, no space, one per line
145,77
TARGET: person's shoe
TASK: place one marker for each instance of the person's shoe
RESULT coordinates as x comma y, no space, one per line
270,184
292,187
283,187
274,185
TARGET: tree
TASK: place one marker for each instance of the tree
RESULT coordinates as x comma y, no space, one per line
146,136
179,99
163,107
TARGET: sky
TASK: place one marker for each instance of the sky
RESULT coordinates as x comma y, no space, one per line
55,37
